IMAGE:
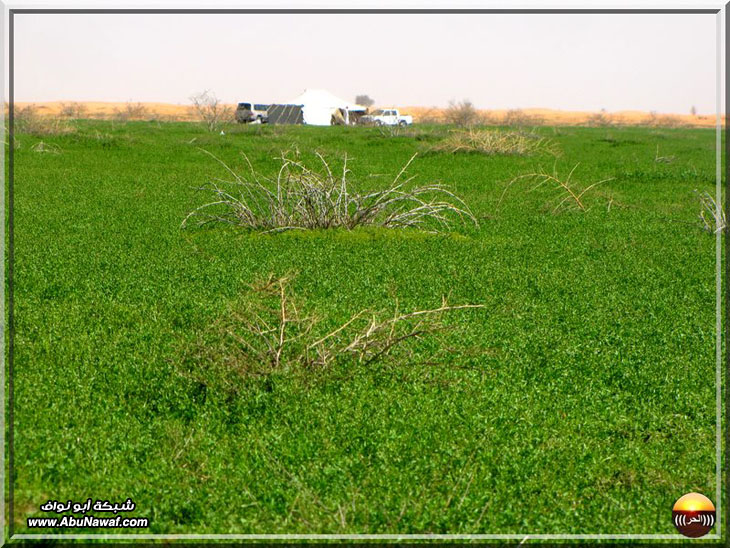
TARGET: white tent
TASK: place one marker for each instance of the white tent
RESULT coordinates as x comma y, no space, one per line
319,105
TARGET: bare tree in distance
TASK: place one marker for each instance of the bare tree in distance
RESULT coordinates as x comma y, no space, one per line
209,109
462,114
364,100
693,110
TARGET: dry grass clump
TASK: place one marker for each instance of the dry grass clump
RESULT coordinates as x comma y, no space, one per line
28,120
17,145
300,197
490,118
664,120
565,194
48,148
270,330
519,118
130,111
663,159
600,119
402,131
73,110
711,214
493,142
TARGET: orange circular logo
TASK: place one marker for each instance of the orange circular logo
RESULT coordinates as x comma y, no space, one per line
693,515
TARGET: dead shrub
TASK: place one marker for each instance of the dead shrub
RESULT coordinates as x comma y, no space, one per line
130,111
600,119
271,330
73,110
564,194
210,111
489,118
670,121
47,148
301,197
664,120
462,114
28,120
712,215
402,131
517,118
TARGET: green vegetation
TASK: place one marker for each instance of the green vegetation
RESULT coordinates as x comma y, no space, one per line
579,399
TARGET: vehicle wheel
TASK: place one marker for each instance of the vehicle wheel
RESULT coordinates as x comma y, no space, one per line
402,123
378,122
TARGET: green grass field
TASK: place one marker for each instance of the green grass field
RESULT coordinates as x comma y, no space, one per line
580,399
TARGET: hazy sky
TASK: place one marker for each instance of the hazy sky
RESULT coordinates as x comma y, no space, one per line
576,62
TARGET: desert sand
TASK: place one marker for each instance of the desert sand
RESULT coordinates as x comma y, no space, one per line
529,116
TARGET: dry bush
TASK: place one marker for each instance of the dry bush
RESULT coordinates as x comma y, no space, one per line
494,142
519,119
516,118
711,214
566,195
600,119
28,120
270,330
154,116
663,120
536,120
489,118
210,111
130,111
401,131
462,114
670,121
304,198
73,110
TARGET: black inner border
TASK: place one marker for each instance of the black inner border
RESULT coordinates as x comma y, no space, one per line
10,184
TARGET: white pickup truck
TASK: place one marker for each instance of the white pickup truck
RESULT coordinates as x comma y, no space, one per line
387,117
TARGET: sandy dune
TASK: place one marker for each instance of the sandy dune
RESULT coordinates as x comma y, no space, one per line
167,111
576,118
